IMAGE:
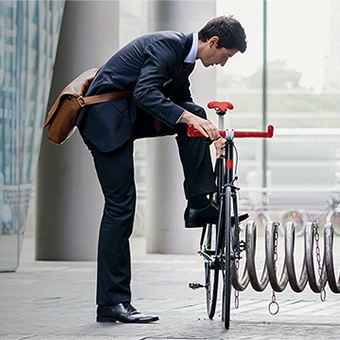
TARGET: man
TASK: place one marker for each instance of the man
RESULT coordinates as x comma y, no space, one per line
156,67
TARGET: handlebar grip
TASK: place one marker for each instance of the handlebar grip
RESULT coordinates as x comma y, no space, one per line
236,134
192,132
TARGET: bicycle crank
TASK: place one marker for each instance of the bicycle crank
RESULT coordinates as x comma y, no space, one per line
196,285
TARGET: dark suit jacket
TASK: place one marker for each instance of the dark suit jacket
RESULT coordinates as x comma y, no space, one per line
145,65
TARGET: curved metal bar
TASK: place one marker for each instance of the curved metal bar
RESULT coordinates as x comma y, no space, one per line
310,271
271,258
258,285
239,284
334,285
316,285
297,286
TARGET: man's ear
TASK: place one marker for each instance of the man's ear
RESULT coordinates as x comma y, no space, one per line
213,41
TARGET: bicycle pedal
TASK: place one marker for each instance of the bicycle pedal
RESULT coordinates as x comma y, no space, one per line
243,217
196,285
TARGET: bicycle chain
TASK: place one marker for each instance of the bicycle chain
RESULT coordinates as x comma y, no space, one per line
242,247
274,303
318,259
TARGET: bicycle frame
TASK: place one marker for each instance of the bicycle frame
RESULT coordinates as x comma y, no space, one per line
300,218
227,201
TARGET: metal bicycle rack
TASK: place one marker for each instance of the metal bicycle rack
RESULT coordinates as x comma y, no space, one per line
317,274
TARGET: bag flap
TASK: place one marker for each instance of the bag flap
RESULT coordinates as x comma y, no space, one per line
77,88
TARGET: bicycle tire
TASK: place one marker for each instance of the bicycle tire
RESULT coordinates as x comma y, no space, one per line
211,272
334,218
226,270
298,217
211,285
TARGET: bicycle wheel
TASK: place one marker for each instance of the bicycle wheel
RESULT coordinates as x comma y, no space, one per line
226,270
211,285
210,269
212,245
334,218
260,218
298,217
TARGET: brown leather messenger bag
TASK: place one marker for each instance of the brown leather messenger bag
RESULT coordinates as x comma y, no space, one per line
61,118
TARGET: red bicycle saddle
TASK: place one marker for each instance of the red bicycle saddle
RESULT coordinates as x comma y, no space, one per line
221,106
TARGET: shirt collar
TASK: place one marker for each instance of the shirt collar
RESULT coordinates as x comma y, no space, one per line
193,51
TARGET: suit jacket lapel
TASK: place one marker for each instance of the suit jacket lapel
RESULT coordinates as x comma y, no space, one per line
181,74
186,51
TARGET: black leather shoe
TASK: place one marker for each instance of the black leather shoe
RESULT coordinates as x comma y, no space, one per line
195,218
123,312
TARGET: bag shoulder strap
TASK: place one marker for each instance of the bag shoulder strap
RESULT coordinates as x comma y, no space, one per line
105,97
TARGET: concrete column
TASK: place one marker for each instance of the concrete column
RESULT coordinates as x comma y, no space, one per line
165,195
69,199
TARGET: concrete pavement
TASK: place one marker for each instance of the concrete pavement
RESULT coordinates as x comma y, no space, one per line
56,300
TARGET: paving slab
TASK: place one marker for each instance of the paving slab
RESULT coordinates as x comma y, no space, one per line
56,300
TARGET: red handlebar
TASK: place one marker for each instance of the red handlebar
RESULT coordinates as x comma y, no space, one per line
236,134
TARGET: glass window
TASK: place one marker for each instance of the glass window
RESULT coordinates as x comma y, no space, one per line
300,97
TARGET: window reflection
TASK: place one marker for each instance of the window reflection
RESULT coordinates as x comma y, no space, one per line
303,75
28,39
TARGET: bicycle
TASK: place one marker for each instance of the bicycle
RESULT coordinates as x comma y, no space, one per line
258,214
220,244
300,218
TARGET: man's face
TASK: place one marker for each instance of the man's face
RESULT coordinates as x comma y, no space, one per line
211,55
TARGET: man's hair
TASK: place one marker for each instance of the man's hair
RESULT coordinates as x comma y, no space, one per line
230,32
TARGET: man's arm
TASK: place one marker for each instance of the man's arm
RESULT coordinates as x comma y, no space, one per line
182,93
160,65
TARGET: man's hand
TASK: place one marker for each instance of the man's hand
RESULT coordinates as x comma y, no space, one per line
220,147
207,128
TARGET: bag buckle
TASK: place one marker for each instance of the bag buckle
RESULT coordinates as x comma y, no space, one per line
81,101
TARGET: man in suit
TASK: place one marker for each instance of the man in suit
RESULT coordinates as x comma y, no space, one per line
156,67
